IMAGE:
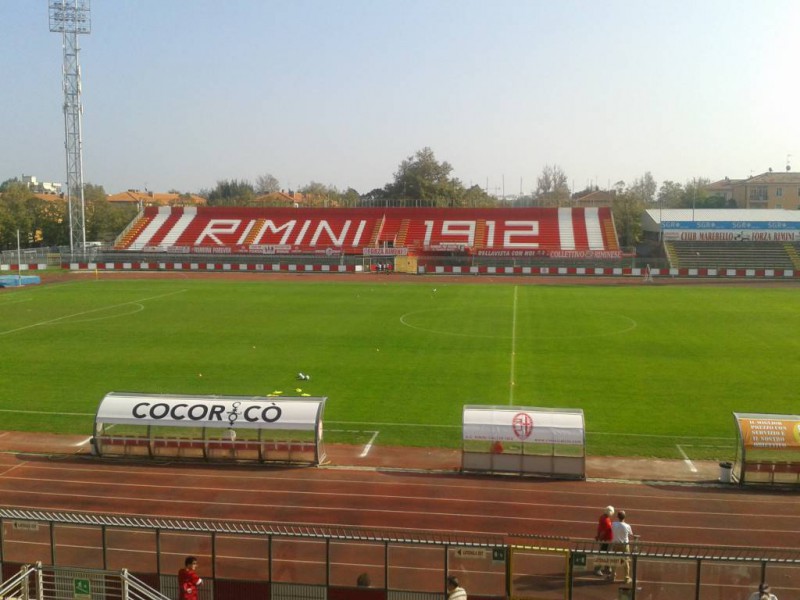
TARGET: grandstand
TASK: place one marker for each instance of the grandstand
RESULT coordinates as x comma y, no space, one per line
719,239
495,233
755,243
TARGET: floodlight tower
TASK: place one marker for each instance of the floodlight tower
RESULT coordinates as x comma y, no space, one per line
71,18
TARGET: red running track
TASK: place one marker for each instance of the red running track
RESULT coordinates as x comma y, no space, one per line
439,501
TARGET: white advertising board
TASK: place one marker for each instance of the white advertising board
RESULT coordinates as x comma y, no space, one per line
520,424
249,412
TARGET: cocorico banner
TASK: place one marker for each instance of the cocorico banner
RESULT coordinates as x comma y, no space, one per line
249,412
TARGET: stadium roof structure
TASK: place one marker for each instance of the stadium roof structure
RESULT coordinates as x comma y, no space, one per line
652,218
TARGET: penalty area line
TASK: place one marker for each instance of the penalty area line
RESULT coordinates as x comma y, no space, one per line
368,447
688,462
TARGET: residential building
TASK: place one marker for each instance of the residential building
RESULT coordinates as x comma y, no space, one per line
41,187
282,198
595,198
767,190
148,198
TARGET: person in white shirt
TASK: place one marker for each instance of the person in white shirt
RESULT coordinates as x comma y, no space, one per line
621,542
763,593
455,591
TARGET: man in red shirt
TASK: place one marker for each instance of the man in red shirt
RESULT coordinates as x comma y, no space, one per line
604,536
188,580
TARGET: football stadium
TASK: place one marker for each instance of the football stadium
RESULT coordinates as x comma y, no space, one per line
428,391
216,364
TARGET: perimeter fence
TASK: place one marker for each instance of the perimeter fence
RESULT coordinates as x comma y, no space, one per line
262,561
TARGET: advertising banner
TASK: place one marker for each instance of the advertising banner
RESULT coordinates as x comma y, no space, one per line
729,235
732,225
768,432
249,412
523,425
385,251
591,254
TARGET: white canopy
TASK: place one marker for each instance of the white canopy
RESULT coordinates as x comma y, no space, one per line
248,412
524,424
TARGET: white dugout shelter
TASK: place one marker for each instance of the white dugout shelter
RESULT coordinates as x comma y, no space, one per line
259,428
768,449
524,440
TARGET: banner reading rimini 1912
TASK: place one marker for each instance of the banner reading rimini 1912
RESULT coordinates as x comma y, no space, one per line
770,433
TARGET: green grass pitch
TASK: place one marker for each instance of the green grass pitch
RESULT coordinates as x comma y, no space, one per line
658,370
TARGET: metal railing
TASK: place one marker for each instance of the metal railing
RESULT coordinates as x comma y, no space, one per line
402,563
39,582
18,586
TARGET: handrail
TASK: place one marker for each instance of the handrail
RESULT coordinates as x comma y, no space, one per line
18,585
654,549
136,589
256,528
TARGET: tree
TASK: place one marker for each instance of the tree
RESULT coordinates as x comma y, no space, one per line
627,208
477,197
105,220
49,221
695,193
375,197
319,194
670,195
95,210
644,188
14,216
423,179
7,183
231,193
266,184
551,187
350,198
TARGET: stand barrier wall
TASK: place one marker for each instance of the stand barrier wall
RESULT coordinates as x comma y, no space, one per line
256,428
249,561
767,449
524,441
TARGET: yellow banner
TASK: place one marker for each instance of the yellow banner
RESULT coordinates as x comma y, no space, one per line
770,433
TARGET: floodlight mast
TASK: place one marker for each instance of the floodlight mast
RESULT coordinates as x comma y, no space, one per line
71,18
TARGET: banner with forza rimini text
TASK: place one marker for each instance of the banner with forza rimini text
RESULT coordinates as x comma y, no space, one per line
769,432
249,412
519,424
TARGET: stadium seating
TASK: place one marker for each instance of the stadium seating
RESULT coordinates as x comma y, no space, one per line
240,230
722,255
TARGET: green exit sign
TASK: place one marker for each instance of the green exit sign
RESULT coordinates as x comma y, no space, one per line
82,589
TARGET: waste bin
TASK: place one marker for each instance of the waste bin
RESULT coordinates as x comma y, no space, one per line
725,470
624,593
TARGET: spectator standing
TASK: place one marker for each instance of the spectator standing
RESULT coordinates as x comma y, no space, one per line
605,537
454,590
622,536
763,593
188,579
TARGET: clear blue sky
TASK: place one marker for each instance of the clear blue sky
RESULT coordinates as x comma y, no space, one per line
179,94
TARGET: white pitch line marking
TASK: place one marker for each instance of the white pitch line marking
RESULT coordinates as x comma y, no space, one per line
686,459
513,350
7,471
368,447
45,412
87,312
